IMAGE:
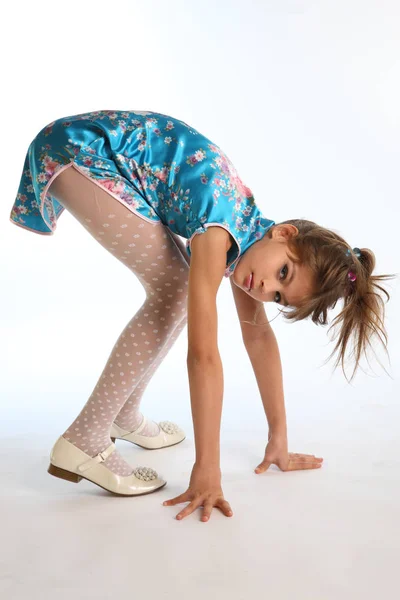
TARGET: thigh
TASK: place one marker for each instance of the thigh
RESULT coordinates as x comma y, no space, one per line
147,249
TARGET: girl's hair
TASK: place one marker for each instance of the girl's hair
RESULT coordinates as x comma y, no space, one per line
324,252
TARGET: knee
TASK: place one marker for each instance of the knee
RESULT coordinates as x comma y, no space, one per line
171,300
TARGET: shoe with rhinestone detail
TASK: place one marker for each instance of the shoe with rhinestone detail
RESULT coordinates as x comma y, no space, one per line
69,462
170,434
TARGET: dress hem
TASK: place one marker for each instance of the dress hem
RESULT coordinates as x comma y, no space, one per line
72,164
30,228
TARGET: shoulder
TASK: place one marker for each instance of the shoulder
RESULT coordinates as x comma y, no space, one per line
208,259
215,236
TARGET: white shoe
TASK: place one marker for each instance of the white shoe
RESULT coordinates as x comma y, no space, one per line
170,434
70,463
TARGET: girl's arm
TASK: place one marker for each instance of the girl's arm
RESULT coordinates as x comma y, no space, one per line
207,266
262,348
203,360
264,356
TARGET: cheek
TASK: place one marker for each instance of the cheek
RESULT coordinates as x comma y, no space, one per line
241,265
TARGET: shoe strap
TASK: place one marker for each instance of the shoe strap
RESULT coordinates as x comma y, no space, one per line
138,430
101,457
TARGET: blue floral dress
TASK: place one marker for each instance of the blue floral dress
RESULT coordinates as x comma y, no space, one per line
159,167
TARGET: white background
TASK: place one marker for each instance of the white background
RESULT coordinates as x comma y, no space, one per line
304,97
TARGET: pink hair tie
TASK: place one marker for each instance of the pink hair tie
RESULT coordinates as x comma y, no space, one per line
352,276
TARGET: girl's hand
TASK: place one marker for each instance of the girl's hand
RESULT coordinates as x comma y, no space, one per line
277,453
204,490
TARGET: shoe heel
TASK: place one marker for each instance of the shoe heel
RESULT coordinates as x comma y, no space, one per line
113,440
63,474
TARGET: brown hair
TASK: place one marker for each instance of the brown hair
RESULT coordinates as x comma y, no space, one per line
324,251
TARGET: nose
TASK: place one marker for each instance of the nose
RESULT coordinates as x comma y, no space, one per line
263,291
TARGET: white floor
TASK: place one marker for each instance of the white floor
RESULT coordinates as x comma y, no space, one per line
328,534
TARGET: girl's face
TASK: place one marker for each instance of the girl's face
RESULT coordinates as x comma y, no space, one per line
275,277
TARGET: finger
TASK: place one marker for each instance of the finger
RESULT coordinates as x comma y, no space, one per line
308,456
296,466
311,457
262,467
295,456
189,509
225,507
182,498
208,506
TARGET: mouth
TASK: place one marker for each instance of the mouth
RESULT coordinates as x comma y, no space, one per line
249,282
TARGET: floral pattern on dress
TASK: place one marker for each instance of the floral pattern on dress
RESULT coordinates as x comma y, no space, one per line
161,168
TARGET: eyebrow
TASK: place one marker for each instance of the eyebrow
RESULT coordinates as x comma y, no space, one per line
286,283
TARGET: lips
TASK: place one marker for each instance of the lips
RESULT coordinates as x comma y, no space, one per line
249,282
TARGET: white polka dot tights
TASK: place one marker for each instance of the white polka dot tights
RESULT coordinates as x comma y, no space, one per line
162,266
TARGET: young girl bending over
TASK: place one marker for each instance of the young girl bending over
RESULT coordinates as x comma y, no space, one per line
138,182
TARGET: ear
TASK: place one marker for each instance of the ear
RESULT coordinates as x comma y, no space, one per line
284,231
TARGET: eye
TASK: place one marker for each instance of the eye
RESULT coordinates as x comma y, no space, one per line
285,271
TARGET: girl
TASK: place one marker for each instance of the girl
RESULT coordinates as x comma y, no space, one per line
137,181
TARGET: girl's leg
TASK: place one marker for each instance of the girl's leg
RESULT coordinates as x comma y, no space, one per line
130,417
149,251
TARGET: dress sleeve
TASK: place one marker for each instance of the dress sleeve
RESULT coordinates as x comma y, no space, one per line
233,252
